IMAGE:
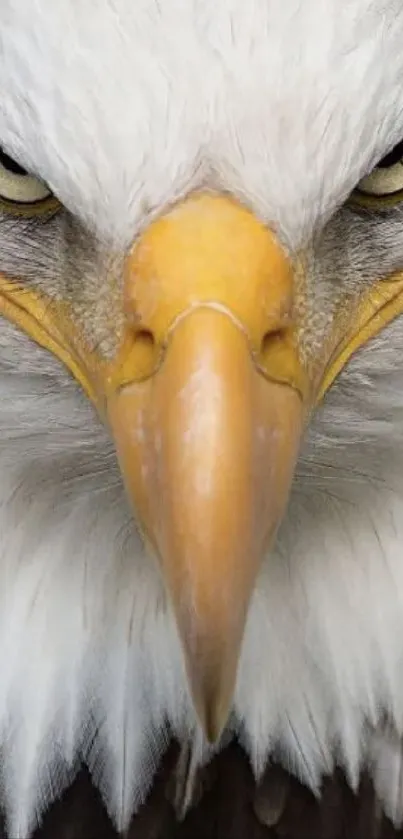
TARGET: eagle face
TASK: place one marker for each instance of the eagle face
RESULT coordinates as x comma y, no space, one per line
191,536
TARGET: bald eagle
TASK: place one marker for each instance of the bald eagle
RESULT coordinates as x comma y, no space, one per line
201,412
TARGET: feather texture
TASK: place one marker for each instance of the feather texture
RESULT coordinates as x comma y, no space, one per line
90,661
285,105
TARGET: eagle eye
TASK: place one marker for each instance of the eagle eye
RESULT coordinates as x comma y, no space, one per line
384,185
19,190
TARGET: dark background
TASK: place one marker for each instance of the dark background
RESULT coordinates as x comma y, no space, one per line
225,809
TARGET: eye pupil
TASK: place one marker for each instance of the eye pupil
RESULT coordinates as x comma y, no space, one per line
10,164
395,156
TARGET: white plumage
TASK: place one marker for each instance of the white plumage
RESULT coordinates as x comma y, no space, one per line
122,107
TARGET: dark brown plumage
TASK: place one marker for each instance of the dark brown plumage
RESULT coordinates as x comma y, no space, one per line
225,811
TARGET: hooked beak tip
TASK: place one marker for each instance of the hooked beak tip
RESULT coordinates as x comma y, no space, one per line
212,656
213,721
212,700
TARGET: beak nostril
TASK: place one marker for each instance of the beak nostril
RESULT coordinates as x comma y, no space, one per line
279,352
271,340
138,358
145,339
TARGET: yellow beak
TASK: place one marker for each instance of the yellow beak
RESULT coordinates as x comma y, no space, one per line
206,400
206,407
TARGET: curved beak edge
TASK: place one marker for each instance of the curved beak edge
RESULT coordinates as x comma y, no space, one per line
207,448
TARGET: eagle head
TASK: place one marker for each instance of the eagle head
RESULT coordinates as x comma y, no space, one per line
201,290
